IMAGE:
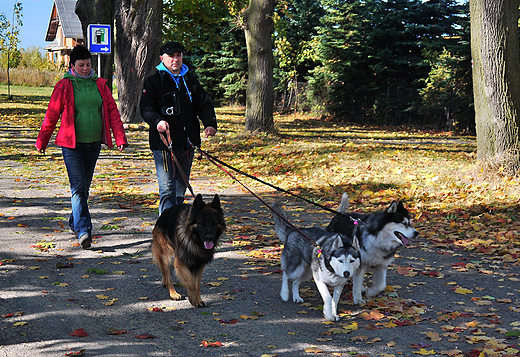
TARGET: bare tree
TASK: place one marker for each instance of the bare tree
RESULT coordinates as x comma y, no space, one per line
258,27
496,85
138,38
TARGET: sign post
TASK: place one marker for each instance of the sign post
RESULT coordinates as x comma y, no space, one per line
99,41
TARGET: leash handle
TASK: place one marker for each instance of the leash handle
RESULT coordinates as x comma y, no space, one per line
166,139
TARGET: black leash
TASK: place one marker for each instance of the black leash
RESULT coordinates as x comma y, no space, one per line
165,137
220,165
215,160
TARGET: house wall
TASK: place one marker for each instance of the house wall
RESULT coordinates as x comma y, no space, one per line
60,56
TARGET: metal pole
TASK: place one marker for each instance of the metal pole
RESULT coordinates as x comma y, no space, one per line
99,65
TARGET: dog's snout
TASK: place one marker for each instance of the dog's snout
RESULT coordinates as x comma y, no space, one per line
346,274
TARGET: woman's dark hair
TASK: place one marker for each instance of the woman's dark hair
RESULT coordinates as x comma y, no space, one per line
79,53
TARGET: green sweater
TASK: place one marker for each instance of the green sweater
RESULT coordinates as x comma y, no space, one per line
88,122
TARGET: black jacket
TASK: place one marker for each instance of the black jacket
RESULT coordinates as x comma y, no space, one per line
163,100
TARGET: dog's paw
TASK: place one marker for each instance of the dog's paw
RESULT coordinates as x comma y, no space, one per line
297,299
358,300
331,317
373,291
175,295
197,302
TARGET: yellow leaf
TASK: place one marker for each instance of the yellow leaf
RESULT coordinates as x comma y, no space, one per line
424,352
313,350
110,302
353,326
222,279
43,277
463,291
213,283
102,297
20,323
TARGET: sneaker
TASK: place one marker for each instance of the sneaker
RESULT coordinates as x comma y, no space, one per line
85,240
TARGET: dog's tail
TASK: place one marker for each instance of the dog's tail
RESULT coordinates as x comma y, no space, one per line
345,203
280,225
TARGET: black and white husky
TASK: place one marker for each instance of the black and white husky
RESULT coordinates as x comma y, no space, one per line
315,253
379,235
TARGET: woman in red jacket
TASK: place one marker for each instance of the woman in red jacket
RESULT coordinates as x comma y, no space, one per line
88,115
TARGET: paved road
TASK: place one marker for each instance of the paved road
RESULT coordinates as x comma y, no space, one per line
113,291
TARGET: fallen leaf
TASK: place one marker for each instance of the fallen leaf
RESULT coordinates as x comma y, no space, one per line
116,332
78,333
210,344
373,315
144,336
463,291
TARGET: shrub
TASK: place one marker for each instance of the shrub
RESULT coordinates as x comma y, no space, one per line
31,77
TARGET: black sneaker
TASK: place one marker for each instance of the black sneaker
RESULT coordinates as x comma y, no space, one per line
85,240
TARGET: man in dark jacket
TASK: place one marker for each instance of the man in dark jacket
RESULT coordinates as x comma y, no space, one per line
173,101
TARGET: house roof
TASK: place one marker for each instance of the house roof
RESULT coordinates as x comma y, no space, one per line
63,14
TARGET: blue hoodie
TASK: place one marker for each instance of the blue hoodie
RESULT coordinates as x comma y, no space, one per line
176,77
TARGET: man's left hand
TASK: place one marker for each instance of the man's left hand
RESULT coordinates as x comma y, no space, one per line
210,131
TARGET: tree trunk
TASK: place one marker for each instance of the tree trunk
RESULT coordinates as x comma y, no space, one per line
258,27
138,39
98,12
496,88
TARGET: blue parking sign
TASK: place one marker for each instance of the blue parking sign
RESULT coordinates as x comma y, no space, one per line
99,38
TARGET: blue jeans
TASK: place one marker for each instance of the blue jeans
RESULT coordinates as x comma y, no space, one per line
80,163
171,184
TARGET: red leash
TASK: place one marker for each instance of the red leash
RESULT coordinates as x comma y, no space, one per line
165,137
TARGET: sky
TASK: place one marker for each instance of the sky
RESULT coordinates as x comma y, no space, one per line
36,16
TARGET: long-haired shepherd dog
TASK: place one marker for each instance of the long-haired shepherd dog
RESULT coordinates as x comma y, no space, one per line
184,238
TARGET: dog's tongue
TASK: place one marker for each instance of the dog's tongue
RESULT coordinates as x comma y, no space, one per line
208,244
402,238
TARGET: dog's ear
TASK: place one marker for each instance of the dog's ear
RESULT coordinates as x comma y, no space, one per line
216,202
355,242
198,203
338,242
392,208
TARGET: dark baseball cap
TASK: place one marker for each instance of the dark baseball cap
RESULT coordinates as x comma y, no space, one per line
171,47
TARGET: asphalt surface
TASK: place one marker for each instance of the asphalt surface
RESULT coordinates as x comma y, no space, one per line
440,300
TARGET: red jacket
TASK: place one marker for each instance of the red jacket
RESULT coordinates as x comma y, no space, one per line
62,104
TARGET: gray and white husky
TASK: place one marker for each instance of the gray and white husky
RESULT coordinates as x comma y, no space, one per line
379,235
318,254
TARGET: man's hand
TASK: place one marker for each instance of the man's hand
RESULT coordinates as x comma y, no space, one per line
210,131
162,126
